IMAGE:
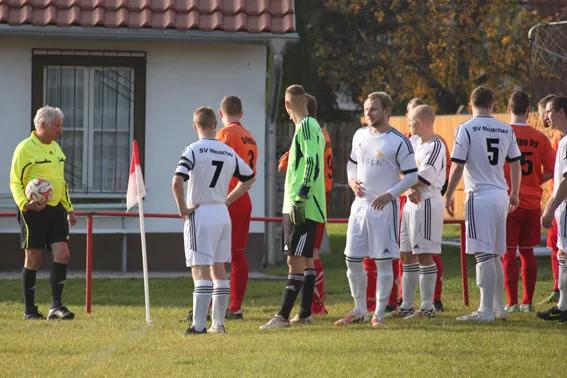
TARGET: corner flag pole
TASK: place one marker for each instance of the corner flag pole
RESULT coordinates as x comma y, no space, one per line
135,194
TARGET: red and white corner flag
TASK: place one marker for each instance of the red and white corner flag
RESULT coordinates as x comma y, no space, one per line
136,189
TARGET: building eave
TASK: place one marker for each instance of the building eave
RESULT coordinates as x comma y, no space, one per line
142,35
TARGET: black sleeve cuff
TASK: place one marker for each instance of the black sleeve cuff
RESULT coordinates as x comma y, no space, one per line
245,178
511,160
409,171
304,191
185,177
444,188
455,160
423,180
352,161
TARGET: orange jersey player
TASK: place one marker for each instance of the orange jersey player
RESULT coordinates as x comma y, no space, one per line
317,306
242,141
523,228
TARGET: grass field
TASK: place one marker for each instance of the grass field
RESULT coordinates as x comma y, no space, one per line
115,341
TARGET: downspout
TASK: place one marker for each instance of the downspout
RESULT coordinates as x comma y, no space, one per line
277,48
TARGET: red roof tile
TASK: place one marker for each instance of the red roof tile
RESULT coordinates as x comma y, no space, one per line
253,16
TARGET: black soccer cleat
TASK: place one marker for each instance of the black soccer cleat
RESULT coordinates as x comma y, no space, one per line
192,331
389,308
33,315
189,316
60,312
438,306
553,313
234,315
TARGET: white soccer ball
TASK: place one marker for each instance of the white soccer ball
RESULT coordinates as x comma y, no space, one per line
39,190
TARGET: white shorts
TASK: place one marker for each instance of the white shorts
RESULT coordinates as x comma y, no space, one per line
373,233
422,226
485,218
207,235
561,220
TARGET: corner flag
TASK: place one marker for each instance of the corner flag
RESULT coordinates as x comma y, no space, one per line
136,192
136,188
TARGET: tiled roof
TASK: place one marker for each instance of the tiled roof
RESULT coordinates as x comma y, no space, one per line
253,16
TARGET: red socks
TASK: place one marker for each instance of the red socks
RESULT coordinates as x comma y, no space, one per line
238,280
371,272
529,274
319,292
439,281
511,275
555,268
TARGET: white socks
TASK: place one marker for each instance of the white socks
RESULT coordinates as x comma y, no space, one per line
499,285
384,284
410,280
427,278
486,281
562,283
357,280
221,294
201,300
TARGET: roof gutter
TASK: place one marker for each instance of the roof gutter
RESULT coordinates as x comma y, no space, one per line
141,35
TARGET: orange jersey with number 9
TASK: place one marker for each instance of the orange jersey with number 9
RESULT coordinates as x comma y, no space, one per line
328,161
240,140
538,158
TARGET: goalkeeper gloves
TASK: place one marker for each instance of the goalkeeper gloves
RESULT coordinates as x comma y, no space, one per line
297,214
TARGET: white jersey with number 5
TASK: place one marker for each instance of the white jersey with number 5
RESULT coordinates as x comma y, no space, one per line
209,165
484,144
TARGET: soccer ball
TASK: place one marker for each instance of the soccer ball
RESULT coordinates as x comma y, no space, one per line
39,190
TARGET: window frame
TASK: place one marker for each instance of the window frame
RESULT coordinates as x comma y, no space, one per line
136,60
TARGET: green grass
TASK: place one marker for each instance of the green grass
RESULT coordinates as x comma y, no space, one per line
115,341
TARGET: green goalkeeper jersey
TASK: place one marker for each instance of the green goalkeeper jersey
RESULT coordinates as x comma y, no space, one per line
304,176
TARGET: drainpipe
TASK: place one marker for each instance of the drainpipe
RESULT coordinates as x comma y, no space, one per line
276,48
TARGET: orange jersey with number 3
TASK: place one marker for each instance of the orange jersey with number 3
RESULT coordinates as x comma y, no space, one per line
241,141
328,161
537,153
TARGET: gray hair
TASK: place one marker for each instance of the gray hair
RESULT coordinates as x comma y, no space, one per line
47,115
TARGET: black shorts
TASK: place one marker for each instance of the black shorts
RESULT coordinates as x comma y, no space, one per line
40,229
299,240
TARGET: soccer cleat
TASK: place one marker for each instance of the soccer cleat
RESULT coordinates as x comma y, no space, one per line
421,313
33,315
60,312
477,316
189,316
297,320
276,322
400,313
378,321
217,330
527,308
192,331
500,313
514,308
352,318
234,315
553,298
553,313
389,308
438,306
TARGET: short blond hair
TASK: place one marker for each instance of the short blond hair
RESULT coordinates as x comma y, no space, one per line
385,99
204,117
47,115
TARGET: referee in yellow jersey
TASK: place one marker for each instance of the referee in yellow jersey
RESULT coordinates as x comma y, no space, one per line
43,226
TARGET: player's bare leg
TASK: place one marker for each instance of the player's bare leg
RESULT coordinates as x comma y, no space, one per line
410,280
427,279
221,295
202,294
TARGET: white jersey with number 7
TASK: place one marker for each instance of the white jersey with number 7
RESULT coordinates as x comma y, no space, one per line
209,165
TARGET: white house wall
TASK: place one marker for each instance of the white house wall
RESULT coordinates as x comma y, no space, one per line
180,78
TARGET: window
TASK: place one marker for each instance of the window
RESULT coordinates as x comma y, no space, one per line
102,95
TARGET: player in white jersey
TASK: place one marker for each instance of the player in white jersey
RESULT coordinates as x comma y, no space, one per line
208,165
482,145
556,117
379,154
422,216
